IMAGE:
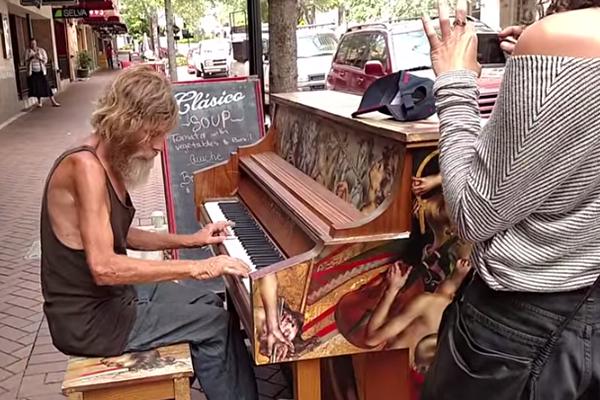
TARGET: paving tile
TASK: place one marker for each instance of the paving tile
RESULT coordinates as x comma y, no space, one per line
6,359
46,368
44,348
197,395
9,346
47,358
54,377
34,385
269,389
9,333
12,383
18,366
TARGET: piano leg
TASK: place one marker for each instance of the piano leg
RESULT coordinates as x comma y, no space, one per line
307,379
382,375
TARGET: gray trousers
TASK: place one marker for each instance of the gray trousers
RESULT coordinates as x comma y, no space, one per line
169,313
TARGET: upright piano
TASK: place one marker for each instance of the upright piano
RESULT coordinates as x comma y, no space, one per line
323,208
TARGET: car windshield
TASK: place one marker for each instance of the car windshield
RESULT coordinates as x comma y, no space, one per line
321,44
411,50
215,47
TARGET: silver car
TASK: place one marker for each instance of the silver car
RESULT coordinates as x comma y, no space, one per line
315,52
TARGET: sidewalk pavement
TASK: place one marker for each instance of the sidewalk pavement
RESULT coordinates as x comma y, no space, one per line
30,367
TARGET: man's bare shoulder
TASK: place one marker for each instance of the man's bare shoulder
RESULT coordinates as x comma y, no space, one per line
566,34
84,167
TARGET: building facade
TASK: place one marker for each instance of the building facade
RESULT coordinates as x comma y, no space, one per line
62,38
19,25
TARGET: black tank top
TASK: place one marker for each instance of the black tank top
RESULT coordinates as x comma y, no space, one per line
85,319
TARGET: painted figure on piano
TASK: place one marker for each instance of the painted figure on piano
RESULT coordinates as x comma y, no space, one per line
359,170
279,327
418,319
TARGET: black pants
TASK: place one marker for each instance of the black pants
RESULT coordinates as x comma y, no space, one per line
169,313
110,62
494,337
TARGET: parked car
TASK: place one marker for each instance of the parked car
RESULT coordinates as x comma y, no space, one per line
367,52
214,57
315,52
191,68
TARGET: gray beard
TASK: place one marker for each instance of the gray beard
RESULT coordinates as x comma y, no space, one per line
134,171
137,172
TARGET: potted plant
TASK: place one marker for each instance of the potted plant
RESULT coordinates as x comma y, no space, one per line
84,62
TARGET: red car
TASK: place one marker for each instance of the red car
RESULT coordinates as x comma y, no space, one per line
370,51
191,68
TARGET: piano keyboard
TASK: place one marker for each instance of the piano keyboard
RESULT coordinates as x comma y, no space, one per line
248,242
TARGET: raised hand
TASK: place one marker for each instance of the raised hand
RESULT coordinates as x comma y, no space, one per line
457,48
395,278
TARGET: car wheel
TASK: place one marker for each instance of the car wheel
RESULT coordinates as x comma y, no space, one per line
198,74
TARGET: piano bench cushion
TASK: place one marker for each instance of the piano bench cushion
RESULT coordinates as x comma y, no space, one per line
331,208
165,370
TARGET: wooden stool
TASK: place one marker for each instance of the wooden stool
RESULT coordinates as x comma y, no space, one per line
159,374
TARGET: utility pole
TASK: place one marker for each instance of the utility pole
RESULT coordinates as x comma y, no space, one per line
170,41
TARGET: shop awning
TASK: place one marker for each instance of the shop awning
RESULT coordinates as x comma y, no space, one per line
111,25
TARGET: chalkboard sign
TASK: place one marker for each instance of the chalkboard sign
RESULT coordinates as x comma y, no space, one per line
215,118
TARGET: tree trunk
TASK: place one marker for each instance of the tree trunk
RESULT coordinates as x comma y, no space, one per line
170,41
283,53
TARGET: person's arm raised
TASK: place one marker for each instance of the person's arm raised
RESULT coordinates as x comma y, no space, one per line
108,268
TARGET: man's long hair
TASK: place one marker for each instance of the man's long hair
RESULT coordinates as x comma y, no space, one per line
138,106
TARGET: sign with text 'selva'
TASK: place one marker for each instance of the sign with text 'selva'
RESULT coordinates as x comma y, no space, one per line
62,13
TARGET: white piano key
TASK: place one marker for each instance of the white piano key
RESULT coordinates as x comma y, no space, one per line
232,244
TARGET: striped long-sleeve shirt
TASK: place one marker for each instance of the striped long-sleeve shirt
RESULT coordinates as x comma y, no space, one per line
526,188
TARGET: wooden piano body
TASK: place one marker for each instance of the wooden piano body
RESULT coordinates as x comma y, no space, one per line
334,196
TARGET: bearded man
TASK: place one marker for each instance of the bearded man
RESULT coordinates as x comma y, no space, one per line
93,300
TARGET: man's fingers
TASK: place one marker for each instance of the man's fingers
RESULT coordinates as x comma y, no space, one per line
445,27
215,239
432,36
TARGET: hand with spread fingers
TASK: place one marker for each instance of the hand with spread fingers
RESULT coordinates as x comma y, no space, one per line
457,48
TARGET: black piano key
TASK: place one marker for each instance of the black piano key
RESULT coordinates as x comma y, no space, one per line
260,249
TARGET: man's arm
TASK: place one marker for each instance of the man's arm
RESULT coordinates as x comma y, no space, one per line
140,239
108,268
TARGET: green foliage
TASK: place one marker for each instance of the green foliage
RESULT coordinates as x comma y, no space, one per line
181,61
374,10
84,60
137,14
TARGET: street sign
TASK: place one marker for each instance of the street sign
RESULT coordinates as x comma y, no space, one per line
61,13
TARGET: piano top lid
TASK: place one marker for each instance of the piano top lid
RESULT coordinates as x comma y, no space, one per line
339,107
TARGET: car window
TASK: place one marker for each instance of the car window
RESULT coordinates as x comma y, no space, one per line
411,50
378,50
320,44
356,50
340,56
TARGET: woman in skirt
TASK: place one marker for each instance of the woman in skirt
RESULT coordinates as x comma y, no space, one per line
37,58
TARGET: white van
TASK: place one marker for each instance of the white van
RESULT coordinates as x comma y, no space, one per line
214,57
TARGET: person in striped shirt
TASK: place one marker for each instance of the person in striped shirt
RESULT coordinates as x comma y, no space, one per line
525,189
